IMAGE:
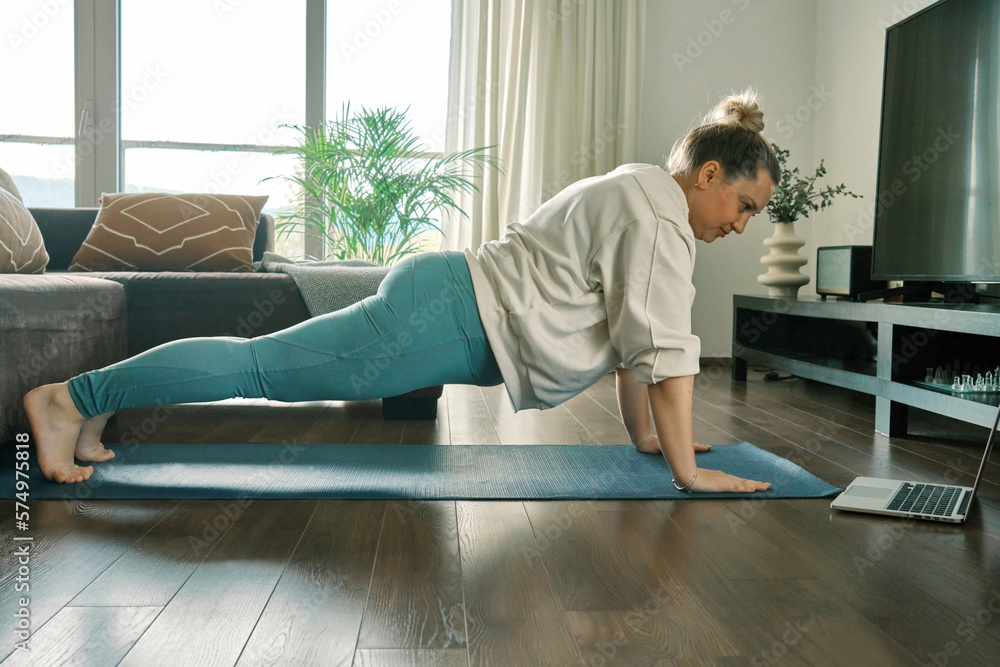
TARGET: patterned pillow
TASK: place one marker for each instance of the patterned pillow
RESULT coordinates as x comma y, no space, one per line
165,232
22,249
7,183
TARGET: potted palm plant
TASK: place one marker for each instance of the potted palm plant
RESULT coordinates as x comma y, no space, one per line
369,190
794,197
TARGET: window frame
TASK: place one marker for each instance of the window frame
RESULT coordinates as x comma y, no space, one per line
99,150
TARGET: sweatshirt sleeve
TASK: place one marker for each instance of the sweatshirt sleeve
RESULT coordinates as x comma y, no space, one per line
645,272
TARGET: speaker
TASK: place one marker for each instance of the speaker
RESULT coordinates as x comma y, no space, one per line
845,271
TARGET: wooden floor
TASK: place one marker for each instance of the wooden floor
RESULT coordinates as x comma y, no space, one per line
708,582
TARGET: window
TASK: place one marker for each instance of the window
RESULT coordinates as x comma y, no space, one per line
36,121
204,88
391,53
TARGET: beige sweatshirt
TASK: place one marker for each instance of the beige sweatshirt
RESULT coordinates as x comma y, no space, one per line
599,276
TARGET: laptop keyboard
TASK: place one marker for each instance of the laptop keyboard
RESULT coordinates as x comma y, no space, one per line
932,499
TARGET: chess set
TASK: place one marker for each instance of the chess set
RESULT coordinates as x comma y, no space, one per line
963,379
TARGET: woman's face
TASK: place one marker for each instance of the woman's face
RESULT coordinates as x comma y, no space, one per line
717,208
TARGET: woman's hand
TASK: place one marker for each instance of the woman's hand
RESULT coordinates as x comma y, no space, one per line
716,480
648,444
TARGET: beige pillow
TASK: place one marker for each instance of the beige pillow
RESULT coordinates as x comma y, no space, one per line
7,183
21,247
164,232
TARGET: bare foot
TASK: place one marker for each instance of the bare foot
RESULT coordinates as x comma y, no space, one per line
89,446
56,424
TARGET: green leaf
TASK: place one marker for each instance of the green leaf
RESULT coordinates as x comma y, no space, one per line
368,190
795,196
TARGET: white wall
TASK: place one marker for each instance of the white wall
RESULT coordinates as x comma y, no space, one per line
769,44
850,49
818,65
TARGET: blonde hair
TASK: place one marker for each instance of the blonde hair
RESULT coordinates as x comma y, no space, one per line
730,134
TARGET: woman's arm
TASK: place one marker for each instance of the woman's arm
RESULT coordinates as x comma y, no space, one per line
672,400
633,403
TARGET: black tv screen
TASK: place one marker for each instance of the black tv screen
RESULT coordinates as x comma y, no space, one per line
937,214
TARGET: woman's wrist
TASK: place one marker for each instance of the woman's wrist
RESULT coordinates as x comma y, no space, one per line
686,488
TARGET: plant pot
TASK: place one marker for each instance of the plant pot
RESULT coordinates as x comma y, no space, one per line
783,262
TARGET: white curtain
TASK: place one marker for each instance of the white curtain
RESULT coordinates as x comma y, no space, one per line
555,86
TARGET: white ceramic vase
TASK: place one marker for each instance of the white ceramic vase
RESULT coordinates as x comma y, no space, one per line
783,262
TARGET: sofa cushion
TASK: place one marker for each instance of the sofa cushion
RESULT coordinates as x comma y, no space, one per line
169,305
52,327
22,249
171,232
65,230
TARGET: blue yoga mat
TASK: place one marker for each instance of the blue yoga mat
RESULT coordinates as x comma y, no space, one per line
410,472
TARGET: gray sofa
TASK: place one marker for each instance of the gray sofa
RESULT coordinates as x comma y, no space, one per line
58,324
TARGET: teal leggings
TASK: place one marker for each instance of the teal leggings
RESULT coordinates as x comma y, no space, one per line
421,329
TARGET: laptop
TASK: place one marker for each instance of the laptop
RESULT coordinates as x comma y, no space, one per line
916,500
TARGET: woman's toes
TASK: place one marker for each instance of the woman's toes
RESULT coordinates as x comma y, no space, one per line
72,473
93,452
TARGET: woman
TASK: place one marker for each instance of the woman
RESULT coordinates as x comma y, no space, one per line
598,278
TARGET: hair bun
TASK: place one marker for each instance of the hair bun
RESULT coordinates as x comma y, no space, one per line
740,109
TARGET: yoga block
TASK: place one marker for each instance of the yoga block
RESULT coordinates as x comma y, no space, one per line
420,404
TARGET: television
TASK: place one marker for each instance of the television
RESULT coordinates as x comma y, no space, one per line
937,212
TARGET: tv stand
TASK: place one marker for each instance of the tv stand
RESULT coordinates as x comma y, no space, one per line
883,349
922,292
